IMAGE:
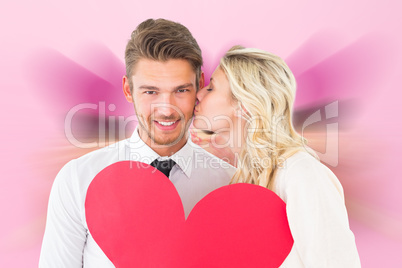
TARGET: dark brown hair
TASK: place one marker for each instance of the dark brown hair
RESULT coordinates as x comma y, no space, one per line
162,40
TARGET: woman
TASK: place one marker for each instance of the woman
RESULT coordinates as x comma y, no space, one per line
248,107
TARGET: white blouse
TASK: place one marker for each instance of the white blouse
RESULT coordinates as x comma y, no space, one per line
317,215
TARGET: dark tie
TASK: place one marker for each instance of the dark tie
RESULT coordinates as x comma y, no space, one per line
164,166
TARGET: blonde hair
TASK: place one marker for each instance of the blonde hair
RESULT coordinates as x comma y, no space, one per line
265,88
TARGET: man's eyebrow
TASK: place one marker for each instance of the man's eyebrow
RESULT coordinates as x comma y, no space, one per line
146,87
184,86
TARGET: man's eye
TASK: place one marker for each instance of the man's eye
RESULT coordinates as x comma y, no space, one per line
150,92
182,90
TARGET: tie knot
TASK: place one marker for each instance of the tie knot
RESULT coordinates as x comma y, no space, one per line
164,166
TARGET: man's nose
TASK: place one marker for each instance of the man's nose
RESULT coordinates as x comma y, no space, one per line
166,105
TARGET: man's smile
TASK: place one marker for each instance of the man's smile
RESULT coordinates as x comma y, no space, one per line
167,125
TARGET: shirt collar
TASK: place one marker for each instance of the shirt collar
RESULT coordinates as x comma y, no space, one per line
140,151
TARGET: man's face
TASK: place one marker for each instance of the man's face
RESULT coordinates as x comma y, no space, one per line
164,95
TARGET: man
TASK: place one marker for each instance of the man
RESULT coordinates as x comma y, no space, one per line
163,74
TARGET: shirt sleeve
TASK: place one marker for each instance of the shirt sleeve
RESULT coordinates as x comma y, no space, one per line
317,217
65,235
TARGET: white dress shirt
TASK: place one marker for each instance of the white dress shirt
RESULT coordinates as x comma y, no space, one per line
67,241
317,215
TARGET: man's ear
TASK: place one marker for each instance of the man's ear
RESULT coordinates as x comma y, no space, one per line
202,80
126,89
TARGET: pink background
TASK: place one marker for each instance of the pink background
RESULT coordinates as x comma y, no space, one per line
54,52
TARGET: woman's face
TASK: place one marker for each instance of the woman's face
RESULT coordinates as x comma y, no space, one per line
216,108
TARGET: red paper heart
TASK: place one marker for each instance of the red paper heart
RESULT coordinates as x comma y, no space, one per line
135,215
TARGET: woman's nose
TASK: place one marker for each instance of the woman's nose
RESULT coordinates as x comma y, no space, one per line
201,94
